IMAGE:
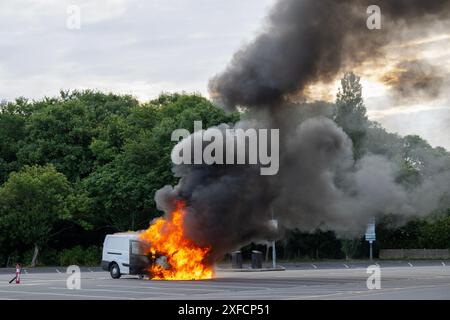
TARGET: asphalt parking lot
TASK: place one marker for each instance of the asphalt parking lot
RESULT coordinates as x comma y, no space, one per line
405,281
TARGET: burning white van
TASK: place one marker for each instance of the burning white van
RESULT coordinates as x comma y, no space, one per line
124,254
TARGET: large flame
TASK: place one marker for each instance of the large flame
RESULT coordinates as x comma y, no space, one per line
186,260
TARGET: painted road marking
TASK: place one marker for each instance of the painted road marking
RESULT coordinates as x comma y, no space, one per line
176,285
314,266
122,291
21,284
66,294
382,291
168,288
40,281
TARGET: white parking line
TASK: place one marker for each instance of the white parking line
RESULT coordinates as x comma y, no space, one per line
177,285
122,291
314,266
318,296
39,281
383,291
66,295
22,284
168,288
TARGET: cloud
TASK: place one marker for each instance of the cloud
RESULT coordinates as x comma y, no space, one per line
431,124
415,80
145,47
125,45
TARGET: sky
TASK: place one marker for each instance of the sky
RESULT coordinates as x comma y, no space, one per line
146,47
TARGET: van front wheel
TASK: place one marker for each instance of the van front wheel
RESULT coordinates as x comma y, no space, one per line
114,271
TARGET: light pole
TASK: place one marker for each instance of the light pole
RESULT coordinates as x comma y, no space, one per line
274,255
274,223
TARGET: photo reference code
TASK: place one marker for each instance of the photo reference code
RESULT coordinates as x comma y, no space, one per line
226,309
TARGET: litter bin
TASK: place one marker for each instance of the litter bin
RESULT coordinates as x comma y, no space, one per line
256,259
236,260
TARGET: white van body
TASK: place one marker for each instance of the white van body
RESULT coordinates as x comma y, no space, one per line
124,254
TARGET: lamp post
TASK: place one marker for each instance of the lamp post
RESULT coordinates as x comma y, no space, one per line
274,224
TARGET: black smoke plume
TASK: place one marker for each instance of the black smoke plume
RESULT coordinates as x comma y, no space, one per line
319,182
415,81
307,41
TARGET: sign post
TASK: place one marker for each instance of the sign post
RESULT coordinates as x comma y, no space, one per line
371,235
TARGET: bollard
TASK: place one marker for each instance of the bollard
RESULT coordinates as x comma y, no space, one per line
256,259
236,260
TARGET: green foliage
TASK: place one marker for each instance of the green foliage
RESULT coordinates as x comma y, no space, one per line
78,166
318,244
13,117
432,232
351,112
90,256
61,132
31,202
124,188
114,151
350,247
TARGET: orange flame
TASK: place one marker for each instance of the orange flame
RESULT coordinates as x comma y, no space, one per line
185,259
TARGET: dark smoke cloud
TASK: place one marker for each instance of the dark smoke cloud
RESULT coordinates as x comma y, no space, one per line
415,80
319,181
319,185
308,41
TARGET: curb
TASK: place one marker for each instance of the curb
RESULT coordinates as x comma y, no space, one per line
279,268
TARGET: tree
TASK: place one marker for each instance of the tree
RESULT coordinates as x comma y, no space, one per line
78,166
136,153
32,202
62,130
351,112
350,247
13,117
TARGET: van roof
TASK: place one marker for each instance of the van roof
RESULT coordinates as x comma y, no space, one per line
127,233
132,235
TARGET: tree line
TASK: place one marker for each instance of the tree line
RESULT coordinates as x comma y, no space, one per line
84,164
76,167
